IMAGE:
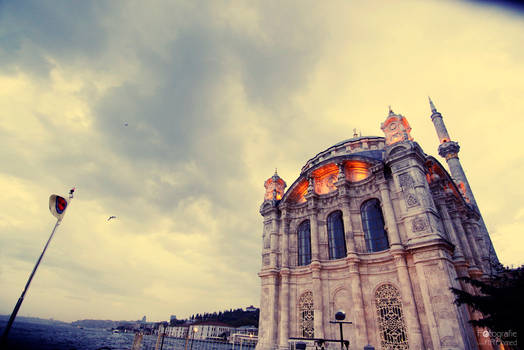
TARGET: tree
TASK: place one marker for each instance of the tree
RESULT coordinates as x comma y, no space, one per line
500,301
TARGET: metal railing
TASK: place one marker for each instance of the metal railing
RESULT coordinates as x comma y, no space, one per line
163,342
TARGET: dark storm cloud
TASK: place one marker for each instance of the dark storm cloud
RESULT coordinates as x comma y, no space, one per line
33,31
179,121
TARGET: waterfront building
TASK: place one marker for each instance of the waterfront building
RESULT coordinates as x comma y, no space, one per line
210,330
378,228
177,331
251,308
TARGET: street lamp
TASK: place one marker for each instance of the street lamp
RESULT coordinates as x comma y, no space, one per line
340,316
195,329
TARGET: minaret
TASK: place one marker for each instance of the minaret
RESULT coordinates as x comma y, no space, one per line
449,150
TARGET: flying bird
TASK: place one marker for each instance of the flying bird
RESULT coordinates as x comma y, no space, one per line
111,217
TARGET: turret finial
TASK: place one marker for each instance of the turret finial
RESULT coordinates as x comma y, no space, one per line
391,111
433,109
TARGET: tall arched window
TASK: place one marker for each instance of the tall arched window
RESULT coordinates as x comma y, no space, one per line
304,243
373,224
307,315
336,237
391,325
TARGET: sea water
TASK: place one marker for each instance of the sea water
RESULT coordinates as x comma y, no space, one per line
36,336
62,336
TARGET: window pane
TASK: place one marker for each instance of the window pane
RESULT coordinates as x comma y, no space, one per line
373,225
336,237
304,243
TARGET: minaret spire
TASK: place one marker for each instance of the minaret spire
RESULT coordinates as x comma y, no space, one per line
432,106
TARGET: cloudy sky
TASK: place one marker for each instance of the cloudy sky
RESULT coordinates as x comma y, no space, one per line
170,116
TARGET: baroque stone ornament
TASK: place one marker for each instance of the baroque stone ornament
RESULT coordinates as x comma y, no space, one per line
411,200
392,328
406,181
419,224
306,315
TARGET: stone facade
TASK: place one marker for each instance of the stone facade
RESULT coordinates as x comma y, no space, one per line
398,297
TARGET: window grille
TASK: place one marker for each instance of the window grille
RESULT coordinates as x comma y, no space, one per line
373,225
392,328
336,237
307,315
304,243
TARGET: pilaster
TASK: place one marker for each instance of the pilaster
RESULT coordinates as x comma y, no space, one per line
355,287
406,289
284,309
318,304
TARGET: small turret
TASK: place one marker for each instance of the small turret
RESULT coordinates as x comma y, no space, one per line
396,128
274,187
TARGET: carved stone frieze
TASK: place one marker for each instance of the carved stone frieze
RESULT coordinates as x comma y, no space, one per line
406,181
419,224
411,200
400,165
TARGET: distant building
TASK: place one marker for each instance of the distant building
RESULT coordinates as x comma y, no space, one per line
378,228
177,331
251,308
144,319
247,335
172,318
209,330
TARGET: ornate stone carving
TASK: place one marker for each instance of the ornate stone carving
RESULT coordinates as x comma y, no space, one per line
419,224
411,200
392,328
405,180
306,315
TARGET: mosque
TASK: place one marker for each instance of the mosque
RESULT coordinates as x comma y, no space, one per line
378,228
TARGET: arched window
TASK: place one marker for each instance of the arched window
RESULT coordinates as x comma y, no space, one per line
304,243
307,315
373,224
336,237
391,325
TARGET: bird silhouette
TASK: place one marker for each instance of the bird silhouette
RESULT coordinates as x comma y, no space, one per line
111,217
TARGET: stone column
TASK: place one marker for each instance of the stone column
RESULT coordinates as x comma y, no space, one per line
273,304
284,309
314,236
348,229
448,226
408,298
318,306
462,236
273,235
389,216
358,316
409,303
477,254
284,286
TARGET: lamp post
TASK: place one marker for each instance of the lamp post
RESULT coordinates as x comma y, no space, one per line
340,316
195,329
57,206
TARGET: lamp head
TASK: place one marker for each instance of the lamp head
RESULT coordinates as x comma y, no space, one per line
340,315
